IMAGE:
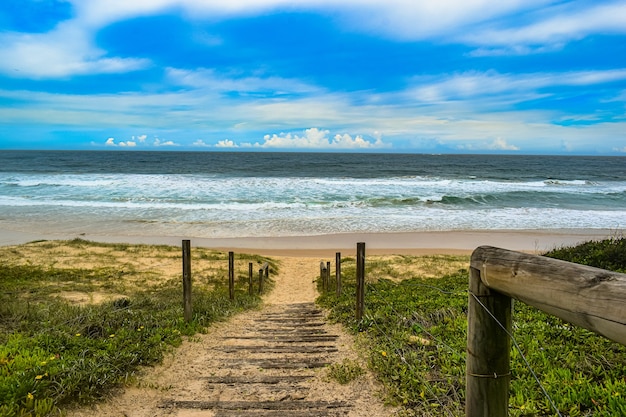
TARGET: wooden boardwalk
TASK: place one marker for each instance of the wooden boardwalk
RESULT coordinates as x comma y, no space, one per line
270,365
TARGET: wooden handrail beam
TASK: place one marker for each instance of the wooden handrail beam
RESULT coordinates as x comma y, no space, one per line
582,295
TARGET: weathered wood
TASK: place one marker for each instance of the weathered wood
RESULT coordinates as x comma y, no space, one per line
360,280
281,413
289,338
250,289
254,405
287,320
286,363
187,309
582,295
338,273
259,379
488,350
231,275
327,276
278,349
264,274
322,275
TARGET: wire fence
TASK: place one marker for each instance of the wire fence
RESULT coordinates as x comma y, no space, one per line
417,345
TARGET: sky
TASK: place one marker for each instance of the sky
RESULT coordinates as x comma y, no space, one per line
424,76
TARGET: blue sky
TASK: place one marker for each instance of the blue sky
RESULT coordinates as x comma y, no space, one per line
446,76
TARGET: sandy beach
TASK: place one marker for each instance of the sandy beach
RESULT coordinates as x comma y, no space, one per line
410,243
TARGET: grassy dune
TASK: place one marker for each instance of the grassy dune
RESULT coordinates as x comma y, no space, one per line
414,333
78,318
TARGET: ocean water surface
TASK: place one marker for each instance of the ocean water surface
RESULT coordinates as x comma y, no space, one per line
238,194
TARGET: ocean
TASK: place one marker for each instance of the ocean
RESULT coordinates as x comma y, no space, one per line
246,194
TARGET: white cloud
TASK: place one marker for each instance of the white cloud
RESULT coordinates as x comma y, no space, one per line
200,143
554,27
315,138
127,144
63,52
497,144
346,141
524,86
226,143
210,81
141,138
158,142
621,150
500,144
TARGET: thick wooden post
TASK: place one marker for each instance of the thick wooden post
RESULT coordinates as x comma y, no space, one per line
250,290
338,272
360,280
261,281
231,275
488,350
187,311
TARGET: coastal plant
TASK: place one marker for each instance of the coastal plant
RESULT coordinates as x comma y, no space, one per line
345,372
54,353
414,332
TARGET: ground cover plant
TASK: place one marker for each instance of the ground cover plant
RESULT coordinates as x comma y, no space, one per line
414,333
78,318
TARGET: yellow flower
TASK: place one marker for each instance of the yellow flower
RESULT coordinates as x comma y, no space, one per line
77,334
30,396
382,352
112,335
39,377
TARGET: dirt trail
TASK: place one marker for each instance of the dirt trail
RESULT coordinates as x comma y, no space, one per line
270,362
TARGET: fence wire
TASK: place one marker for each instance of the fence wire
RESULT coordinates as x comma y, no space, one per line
443,404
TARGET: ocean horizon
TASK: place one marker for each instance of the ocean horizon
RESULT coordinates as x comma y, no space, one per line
262,194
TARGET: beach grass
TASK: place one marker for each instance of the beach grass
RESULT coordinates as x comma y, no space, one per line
414,335
78,318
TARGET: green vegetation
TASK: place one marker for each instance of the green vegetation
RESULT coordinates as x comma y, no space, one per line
414,331
345,372
606,254
55,352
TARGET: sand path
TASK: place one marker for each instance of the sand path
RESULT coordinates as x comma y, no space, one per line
268,362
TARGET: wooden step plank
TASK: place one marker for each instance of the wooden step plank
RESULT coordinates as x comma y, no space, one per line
253,405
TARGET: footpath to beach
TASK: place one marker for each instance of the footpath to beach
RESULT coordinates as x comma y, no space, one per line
269,362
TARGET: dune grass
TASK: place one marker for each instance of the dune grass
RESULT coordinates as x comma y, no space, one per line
57,349
414,334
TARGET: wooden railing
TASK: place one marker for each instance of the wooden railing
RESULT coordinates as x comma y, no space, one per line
186,258
587,297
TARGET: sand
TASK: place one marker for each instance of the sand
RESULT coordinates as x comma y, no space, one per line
410,243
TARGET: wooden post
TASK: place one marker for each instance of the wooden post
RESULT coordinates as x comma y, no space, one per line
261,281
323,276
231,275
327,276
338,272
187,311
488,350
250,290
360,280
